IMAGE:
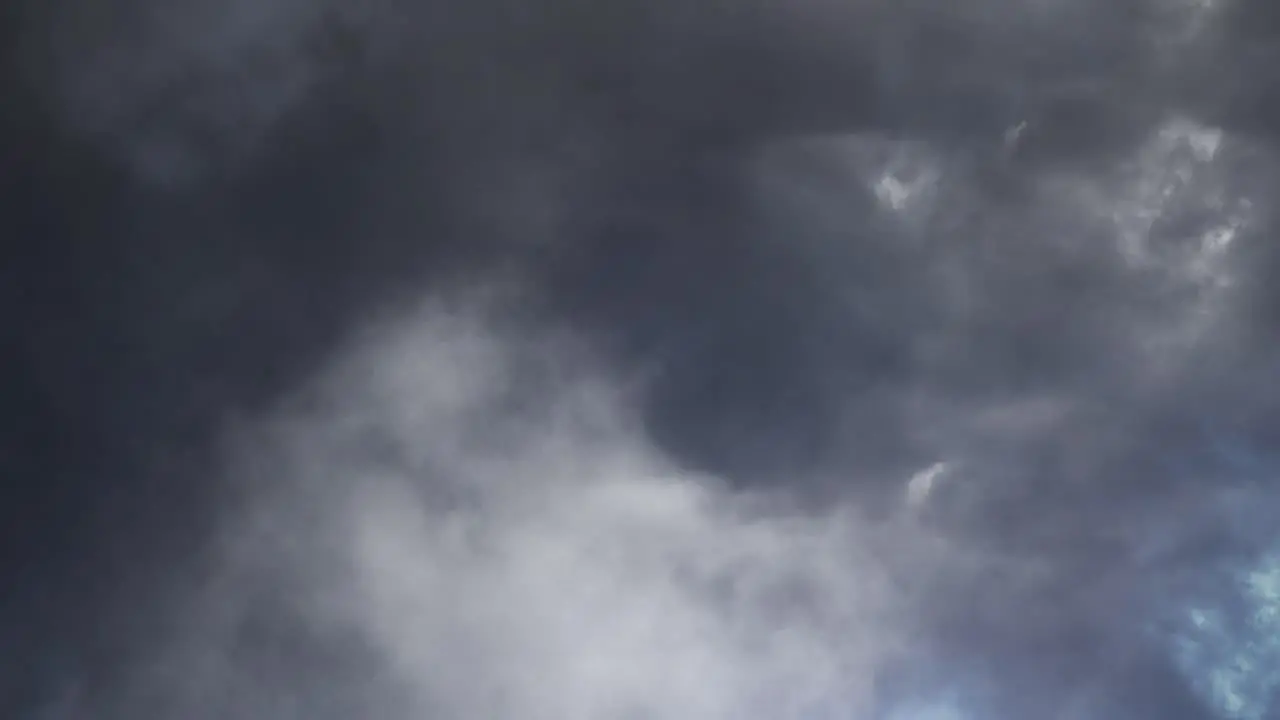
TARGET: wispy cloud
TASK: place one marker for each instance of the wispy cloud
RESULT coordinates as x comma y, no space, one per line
504,542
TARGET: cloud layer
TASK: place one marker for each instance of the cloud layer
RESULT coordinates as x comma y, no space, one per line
867,359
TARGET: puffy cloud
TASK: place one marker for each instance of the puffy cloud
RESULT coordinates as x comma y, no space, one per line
504,541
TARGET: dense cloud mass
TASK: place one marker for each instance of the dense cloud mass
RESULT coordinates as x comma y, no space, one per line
418,359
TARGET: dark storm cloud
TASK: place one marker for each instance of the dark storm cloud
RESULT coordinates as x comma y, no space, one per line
859,353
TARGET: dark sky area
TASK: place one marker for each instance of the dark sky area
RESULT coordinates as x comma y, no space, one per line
613,360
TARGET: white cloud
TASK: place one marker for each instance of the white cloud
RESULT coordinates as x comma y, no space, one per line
921,485
511,547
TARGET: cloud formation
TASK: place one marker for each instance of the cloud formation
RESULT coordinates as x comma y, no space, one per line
504,541
869,359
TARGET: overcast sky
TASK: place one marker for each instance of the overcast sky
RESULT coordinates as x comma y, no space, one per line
857,360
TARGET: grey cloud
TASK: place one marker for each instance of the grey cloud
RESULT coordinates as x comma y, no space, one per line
194,88
772,276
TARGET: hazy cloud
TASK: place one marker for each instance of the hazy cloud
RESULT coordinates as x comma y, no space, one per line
514,560
581,360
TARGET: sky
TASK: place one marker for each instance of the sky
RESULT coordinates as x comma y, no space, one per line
820,360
